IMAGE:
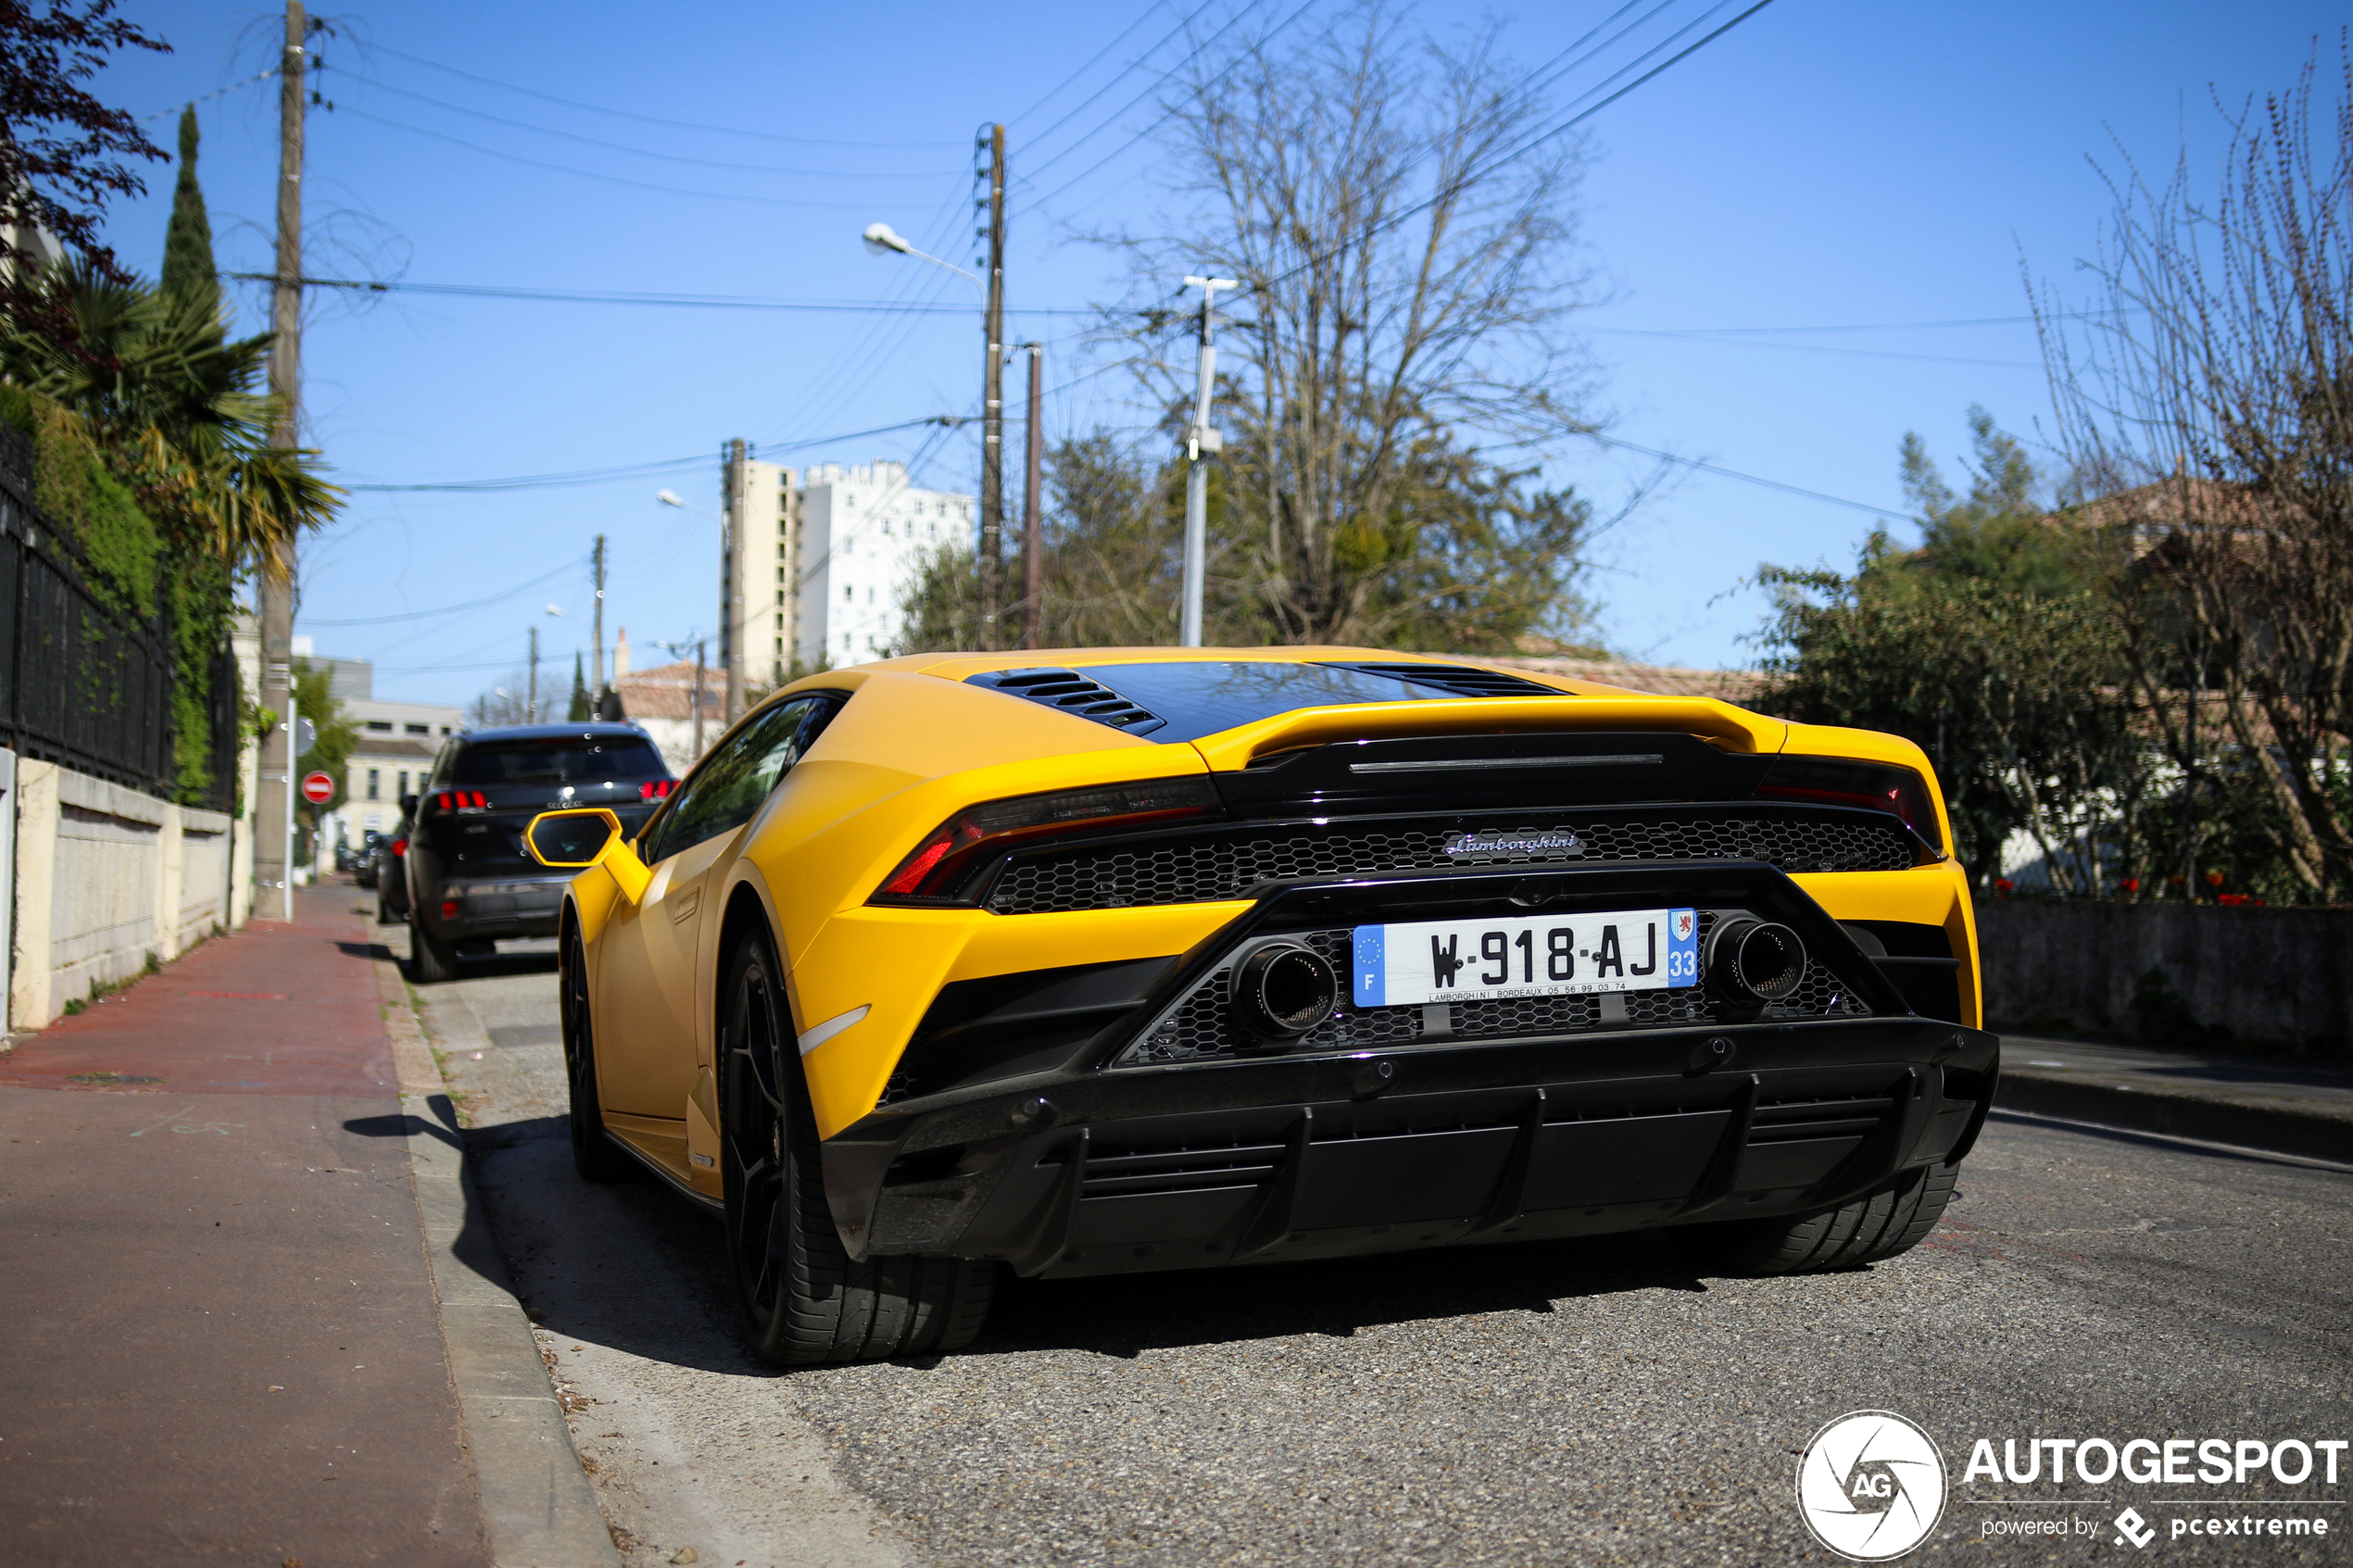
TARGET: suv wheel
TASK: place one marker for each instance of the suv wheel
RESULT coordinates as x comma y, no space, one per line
434,960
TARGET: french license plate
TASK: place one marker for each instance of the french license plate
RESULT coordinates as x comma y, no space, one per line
1455,960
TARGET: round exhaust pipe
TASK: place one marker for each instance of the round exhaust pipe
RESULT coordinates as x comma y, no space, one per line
1282,990
1755,963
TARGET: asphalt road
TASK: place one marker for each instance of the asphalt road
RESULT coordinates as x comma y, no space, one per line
1588,1402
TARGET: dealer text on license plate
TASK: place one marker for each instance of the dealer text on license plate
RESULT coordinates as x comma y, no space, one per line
1453,960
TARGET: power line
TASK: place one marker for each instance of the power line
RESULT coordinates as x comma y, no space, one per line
216,93
640,471
657,297
664,299
1729,342
1158,82
1748,478
596,174
638,152
652,119
1179,29
543,481
1048,97
446,609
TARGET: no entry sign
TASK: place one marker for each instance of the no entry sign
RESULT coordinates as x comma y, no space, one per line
318,788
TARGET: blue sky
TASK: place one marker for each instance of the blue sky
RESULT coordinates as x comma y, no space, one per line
1826,164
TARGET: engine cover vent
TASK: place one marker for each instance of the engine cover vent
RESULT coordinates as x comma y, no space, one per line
1072,692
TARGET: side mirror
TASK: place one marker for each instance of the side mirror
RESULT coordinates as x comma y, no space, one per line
409,805
575,839
584,838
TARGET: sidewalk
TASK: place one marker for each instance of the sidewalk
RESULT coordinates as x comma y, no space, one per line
2286,1105
224,1343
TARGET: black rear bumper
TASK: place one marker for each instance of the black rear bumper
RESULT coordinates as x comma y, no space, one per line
496,905
1372,1152
1096,1169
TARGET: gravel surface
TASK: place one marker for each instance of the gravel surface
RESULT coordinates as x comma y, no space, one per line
1598,1402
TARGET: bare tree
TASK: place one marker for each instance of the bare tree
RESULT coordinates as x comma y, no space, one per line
2209,391
500,704
1399,217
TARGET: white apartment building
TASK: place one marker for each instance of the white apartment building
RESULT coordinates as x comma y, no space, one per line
828,554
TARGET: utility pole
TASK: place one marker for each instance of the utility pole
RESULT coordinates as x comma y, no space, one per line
1201,444
531,707
597,657
699,657
273,799
731,580
1033,528
993,397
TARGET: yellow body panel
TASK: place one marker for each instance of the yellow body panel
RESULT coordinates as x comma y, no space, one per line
915,746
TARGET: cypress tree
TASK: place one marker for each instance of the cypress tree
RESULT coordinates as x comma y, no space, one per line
580,708
187,246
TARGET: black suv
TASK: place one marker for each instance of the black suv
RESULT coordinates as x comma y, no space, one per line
470,882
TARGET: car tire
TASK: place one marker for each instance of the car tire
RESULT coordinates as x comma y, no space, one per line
434,960
1876,1225
594,1154
805,1301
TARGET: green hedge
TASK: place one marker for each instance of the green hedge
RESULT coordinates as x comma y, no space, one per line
131,565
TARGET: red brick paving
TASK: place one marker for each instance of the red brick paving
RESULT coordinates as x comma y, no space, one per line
221,1341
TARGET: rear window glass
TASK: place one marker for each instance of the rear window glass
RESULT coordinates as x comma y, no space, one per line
561,759
1202,698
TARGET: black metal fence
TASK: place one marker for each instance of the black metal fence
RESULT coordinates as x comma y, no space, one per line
82,682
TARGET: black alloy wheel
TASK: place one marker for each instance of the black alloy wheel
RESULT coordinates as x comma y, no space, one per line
805,1301
593,1154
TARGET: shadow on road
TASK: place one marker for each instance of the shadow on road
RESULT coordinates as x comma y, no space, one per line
632,1266
1125,1315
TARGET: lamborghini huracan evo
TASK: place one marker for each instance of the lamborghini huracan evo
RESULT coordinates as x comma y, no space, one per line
1113,960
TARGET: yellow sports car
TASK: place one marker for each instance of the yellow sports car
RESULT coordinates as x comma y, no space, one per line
1112,960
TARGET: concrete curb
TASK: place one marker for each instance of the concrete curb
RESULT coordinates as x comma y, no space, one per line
538,1508
2282,1131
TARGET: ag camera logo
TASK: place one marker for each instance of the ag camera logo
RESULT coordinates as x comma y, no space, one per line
1871,1486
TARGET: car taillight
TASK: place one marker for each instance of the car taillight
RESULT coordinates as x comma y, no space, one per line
934,873
657,789
399,847
1833,781
460,799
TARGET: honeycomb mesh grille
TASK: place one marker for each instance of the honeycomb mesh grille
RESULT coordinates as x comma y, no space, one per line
1200,1027
1201,868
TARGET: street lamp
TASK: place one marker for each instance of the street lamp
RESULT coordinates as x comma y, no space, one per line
883,240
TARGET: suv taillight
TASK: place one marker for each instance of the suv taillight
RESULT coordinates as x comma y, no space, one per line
460,800
657,789
936,872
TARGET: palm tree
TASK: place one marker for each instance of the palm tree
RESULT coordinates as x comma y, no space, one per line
153,380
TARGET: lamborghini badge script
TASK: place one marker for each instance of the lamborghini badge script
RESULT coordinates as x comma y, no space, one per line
1508,845
1871,1486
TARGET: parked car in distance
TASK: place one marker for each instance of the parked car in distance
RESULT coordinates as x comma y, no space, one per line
390,875
469,881
363,861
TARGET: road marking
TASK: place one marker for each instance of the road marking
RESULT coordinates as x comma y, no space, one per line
177,1115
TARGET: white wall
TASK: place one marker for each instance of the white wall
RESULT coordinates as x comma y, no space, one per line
106,877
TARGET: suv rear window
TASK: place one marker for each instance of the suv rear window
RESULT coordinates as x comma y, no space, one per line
561,761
